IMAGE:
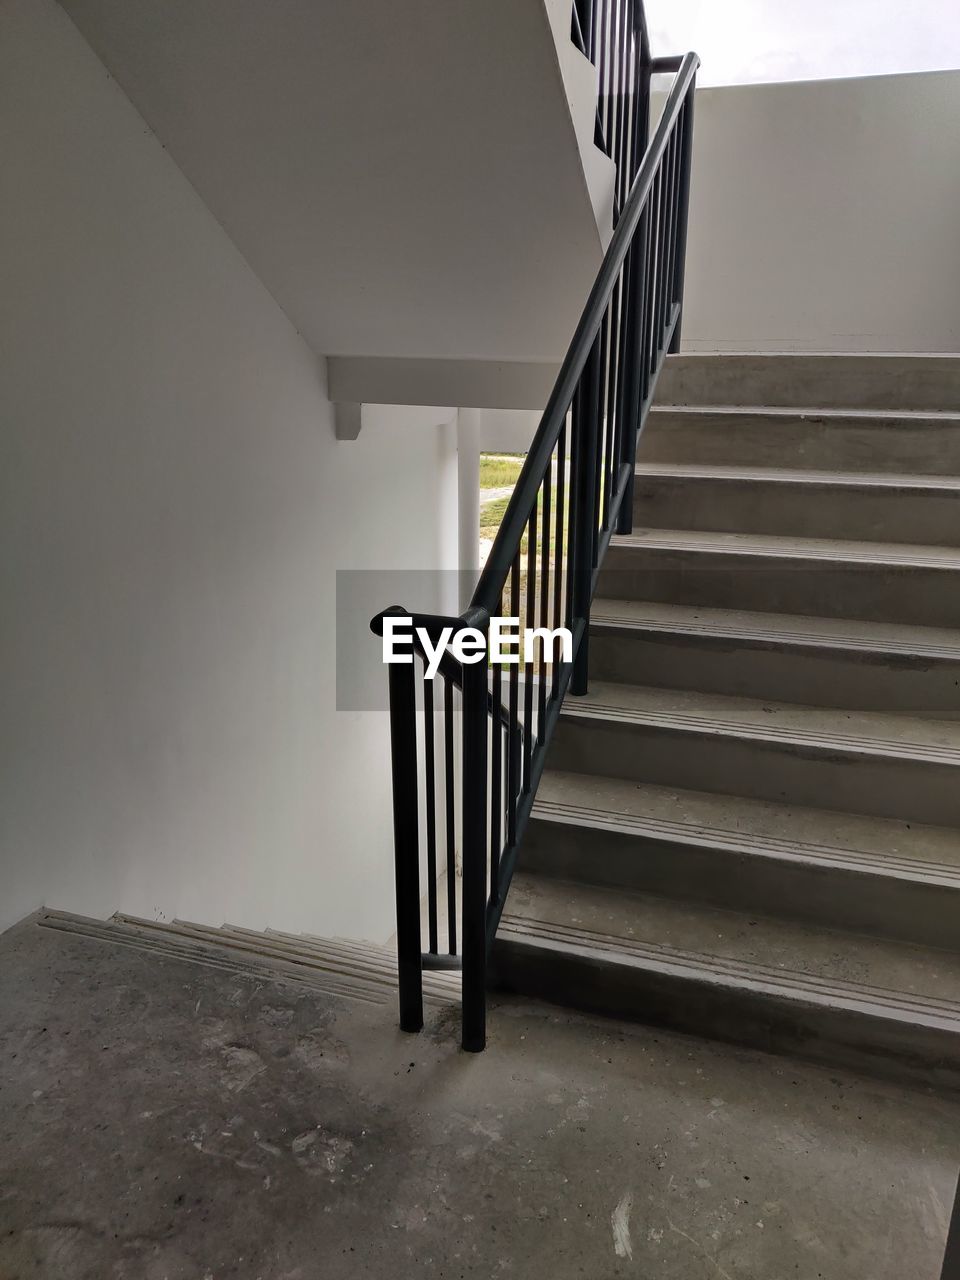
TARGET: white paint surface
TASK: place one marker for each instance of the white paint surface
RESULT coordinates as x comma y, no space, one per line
406,179
509,384
468,501
173,506
824,217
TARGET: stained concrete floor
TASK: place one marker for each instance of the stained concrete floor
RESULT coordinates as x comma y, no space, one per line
160,1120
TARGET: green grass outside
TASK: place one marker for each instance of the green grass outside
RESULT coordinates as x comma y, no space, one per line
498,470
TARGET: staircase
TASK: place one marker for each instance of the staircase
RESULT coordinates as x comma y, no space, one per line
749,828
339,967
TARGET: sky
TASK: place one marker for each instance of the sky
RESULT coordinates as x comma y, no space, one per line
746,41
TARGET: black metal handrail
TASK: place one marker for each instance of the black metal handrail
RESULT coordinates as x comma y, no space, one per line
574,491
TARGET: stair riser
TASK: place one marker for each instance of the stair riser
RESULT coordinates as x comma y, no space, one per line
805,674
773,584
823,381
882,514
835,897
728,764
925,447
842,1038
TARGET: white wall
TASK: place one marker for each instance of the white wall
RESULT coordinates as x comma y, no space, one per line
508,430
826,217
173,506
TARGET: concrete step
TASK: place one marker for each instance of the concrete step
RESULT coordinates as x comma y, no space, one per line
861,1002
826,662
806,504
843,871
209,947
865,762
884,582
811,439
356,961
826,381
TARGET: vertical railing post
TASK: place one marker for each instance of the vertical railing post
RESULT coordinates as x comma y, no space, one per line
406,841
686,164
586,414
636,275
584,18
474,851
633,319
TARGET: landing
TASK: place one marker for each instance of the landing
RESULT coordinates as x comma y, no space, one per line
162,1118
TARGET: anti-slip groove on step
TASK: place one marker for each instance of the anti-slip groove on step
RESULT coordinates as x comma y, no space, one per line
897,749
942,1015
348,971
816,550
804,851
822,415
920,484
146,935
804,381
776,629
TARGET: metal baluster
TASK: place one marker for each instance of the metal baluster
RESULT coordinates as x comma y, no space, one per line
473,710
619,156
430,766
686,162
662,253
603,99
637,287
560,548
584,516
496,778
406,842
622,369
608,378
530,598
544,603
450,814
644,347
653,336
513,731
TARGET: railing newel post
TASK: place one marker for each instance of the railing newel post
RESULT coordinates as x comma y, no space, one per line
473,843
406,842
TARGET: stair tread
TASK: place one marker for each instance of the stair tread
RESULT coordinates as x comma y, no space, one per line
810,478
864,732
762,828
779,628
773,545
811,413
204,947
897,979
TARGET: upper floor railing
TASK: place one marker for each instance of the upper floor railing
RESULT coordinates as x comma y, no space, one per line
613,35
469,747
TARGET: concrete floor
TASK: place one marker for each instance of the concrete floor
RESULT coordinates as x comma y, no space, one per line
160,1120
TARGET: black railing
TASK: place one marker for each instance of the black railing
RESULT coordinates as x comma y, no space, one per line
613,35
468,760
